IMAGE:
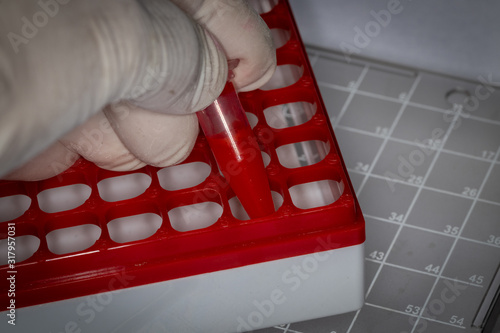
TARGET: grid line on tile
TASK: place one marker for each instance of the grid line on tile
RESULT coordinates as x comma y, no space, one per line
412,315
286,329
416,144
434,189
377,156
424,273
456,239
364,175
360,92
410,103
391,130
352,93
432,231
441,110
419,190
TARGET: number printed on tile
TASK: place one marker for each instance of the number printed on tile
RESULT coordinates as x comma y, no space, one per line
417,180
377,255
469,191
433,143
382,131
451,230
432,269
488,154
476,279
492,239
412,309
361,167
396,217
455,320
457,107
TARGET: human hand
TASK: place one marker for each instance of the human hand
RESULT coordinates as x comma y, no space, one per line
117,81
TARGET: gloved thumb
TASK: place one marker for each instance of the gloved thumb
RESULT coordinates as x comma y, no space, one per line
88,54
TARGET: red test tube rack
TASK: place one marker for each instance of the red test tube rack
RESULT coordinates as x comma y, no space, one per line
303,260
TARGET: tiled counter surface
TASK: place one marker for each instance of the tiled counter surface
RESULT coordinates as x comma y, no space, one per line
427,174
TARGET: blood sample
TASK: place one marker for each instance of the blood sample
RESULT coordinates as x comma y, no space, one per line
237,152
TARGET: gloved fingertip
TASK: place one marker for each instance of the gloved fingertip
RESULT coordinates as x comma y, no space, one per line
266,75
130,164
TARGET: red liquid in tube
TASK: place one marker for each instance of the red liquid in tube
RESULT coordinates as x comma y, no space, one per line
237,152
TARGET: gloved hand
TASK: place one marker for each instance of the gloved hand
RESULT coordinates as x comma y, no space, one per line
117,81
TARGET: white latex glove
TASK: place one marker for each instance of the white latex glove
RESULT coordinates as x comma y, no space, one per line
117,81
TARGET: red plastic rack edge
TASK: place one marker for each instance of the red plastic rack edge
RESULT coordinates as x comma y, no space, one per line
229,243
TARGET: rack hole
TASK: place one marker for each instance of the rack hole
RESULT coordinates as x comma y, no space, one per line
135,227
123,187
303,153
266,158
63,198
197,216
316,194
239,212
280,37
252,119
13,206
237,209
183,176
284,76
289,115
73,239
25,246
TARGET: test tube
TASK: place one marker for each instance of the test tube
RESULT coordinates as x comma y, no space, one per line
237,152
